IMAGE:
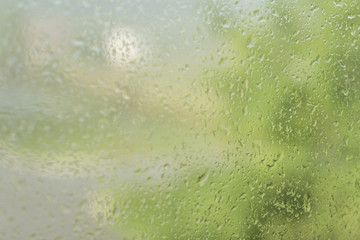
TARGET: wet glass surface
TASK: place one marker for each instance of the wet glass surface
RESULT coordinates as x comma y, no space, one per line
179,119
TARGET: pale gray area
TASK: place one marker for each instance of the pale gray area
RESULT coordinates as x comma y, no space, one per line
33,207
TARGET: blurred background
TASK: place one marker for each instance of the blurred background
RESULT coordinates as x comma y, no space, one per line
206,119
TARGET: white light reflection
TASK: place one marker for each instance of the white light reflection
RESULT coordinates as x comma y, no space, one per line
125,48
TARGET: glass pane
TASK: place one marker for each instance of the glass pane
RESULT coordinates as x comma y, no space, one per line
193,119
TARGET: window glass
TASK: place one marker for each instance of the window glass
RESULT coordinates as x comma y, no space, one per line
192,119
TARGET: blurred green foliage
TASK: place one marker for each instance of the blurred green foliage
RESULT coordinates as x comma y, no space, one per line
290,87
286,85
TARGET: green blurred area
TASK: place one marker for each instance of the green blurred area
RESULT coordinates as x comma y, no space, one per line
261,143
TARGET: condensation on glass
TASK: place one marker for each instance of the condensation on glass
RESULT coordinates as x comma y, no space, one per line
205,119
